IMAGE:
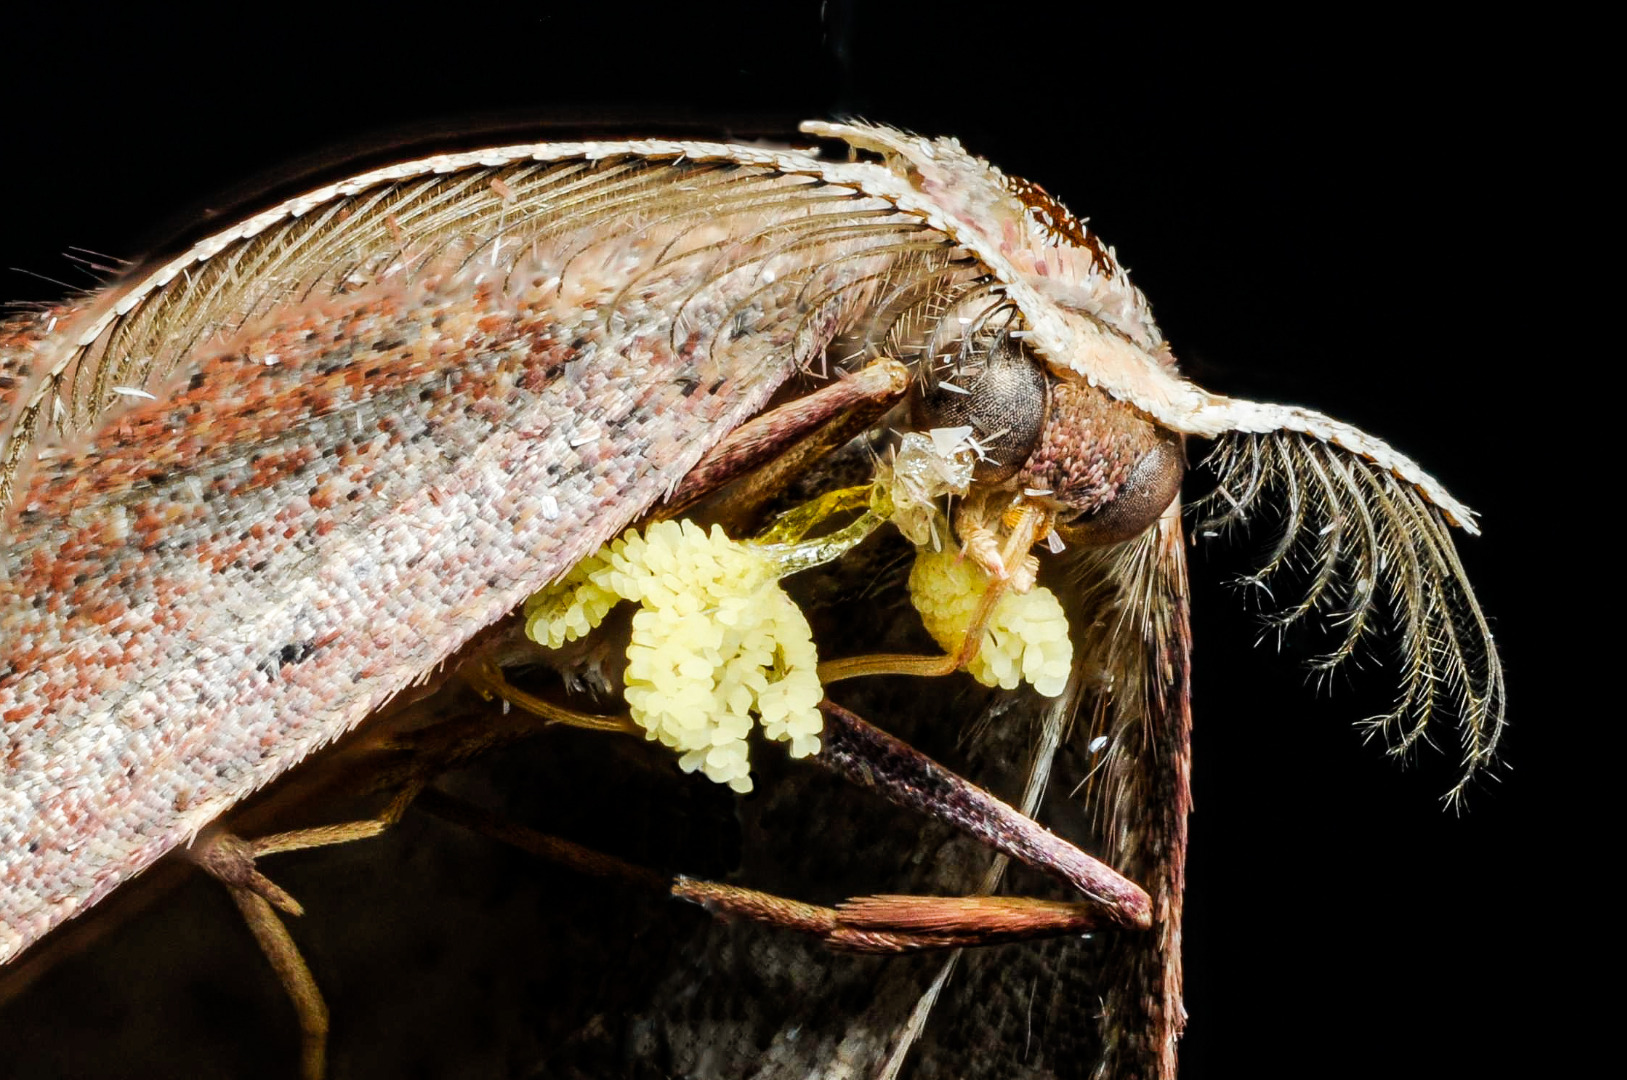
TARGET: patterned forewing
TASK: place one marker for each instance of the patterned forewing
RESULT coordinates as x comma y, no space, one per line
372,428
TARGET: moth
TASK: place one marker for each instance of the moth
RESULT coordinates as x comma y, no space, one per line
302,474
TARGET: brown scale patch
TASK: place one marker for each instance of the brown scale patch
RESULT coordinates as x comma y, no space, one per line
238,398
231,430
1061,224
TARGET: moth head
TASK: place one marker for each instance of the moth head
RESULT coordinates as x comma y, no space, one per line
1082,406
1105,470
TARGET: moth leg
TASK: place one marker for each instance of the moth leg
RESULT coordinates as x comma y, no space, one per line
488,680
780,443
874,759
434,750
880,924
582,859
295,976
871,758
854,667
899,924
231,861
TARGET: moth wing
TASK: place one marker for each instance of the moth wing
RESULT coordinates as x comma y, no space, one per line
259,489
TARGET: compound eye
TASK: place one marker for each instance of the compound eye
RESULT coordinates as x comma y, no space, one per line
1003,394
1153,483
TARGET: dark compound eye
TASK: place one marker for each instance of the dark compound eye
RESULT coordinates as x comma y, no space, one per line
1002,393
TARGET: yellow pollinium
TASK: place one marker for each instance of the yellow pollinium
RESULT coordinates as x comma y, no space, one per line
1025,639
717,645
718,648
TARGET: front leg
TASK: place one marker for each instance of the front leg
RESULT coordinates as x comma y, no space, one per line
871,758
874,759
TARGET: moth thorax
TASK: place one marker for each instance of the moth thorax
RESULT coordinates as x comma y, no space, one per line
1112,470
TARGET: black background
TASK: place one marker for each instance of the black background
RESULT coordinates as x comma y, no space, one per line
1340,215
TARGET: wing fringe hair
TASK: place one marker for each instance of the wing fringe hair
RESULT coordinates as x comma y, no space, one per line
1135,646
1355,531
367,231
